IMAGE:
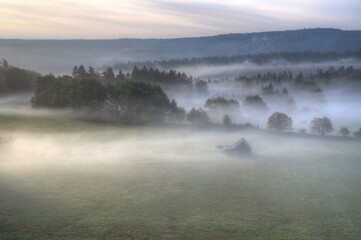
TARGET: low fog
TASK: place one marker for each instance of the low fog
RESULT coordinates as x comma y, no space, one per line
231,71
62,174
117,146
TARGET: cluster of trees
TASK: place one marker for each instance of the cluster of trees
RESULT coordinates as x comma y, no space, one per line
357,133
153,75
332,74
345,132
150,75
282,122
301,81
200,118
13,79
254,102
320,126
221,102
270,91
249,103
141,102
66,91
261,58
129,101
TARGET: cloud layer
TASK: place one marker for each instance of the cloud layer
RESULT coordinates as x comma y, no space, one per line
168,19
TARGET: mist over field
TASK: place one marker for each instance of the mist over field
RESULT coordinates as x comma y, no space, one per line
231,136
174,181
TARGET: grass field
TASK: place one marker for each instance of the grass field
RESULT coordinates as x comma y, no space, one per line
68,179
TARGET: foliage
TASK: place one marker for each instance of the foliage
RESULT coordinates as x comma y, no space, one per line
291,104
260,58
81,72
137,101
201,87
120,76
268,89
108,75
344,131
227,122
13,79
152,75
68,92
127,100
321,126
254,102
176,114
198,117
221,102
357,133
279,121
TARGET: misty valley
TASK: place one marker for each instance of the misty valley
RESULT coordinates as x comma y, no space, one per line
138,150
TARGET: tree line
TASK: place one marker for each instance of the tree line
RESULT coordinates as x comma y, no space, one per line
261,58
14,79
127,101
304,81
150,75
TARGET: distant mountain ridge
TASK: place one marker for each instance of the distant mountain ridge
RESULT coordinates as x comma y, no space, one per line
61,55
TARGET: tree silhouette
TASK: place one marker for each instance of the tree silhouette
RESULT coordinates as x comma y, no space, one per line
279,121
321,126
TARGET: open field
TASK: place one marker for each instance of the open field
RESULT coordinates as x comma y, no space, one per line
68,179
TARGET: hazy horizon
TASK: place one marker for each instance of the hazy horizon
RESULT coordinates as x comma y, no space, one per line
180,37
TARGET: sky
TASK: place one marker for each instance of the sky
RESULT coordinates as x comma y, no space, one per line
111,19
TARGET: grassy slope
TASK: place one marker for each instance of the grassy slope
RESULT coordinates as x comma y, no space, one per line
295,196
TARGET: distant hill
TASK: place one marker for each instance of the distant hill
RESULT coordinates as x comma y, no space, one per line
60,56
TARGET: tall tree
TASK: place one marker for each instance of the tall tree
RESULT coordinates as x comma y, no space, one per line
75,71
82,72
108,75
120,76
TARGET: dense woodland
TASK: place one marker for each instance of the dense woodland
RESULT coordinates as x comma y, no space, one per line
14,79
150,75
127,101
261,58
302,80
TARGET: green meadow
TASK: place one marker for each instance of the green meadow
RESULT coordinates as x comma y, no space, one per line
70,179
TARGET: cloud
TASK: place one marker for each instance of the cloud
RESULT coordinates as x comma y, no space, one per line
166,18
